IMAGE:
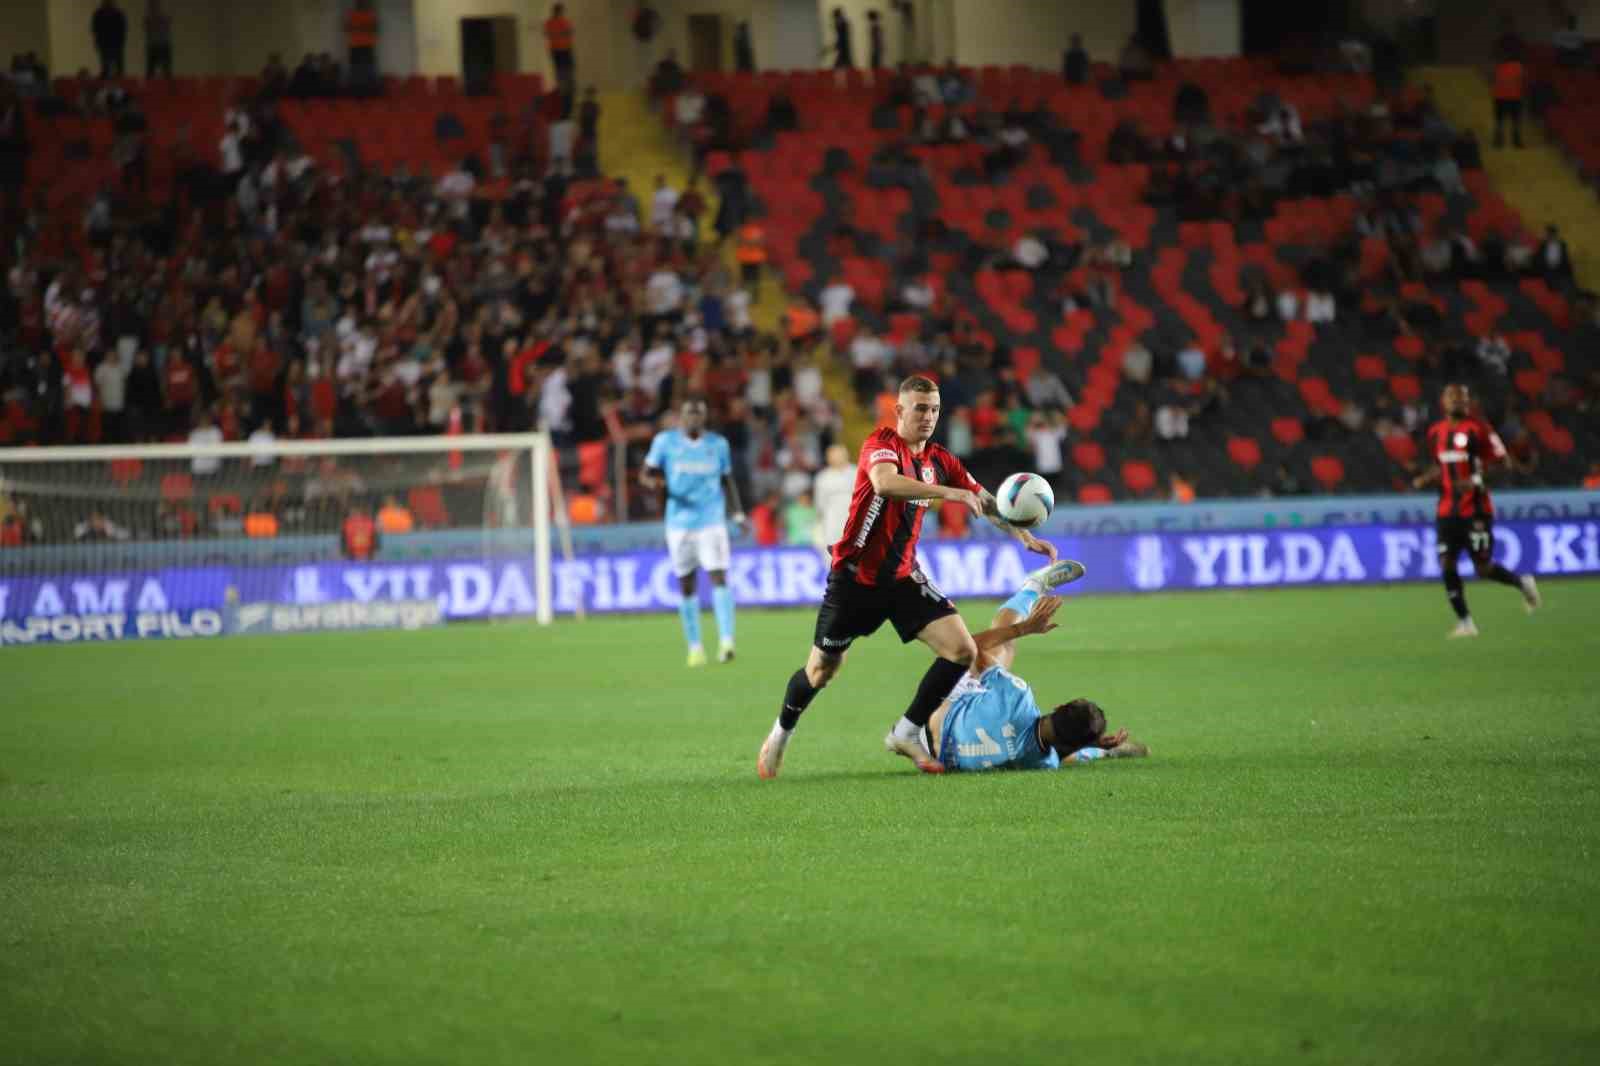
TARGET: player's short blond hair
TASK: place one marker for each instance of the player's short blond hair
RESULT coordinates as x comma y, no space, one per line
918,383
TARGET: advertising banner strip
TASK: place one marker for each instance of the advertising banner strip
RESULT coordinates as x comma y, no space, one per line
204,601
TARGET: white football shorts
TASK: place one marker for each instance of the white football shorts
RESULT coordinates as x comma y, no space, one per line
704,549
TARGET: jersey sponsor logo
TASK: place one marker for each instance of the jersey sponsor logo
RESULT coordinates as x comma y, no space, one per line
1453,457
684,466
873,511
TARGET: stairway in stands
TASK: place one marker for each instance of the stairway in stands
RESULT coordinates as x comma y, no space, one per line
635,144
1537,180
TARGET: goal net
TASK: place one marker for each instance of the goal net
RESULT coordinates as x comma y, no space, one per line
195,540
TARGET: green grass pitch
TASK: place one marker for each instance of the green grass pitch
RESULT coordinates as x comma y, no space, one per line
1356,842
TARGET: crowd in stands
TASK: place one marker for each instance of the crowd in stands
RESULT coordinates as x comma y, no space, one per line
1095,297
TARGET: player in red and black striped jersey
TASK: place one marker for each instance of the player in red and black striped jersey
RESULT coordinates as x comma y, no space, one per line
875,577
1463,444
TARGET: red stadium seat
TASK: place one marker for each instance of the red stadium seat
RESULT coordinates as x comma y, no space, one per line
1094,492
1139,476
176,486
1288,430
1529,382
1401,448
1409,347
1328,470
592,464
1371,368
1083,417
1088,456
126,470
1245,452
1407,388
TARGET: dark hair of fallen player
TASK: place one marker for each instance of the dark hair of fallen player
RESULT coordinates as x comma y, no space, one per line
1077,724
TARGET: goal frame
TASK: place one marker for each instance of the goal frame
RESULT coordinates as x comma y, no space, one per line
545,487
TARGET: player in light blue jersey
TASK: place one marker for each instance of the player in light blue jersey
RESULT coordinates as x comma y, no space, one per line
992,720
696,469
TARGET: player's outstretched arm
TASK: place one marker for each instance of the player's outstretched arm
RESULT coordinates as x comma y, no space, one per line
893,485
991,511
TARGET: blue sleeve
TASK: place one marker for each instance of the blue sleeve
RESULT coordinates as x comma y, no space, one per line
657,455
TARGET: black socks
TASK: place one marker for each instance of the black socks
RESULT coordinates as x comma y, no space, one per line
936,685
796,698
1452,589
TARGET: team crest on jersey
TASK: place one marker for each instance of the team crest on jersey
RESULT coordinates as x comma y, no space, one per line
1459,440
927,473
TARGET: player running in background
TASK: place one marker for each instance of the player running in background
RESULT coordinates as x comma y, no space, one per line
992,721
1463,443
696,468
875,577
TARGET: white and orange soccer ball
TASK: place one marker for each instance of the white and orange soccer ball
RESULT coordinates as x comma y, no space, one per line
1025,500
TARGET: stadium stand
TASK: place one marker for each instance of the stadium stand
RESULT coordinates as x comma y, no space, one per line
1253,280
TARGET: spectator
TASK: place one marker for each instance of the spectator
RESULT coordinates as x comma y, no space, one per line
109,27
259,521
558,38
1509,76
1046,391
843,51
1591,480
1571,49
157,40
744,53
1046,431
1192,360
111,385
205,431
394,517
98,527
874,41
358,535
663,205
361,37
1179,489
831,490
1136,63
836,300
1138,364
766,521
799,519
1554,259
262,439
1075,62
1172,421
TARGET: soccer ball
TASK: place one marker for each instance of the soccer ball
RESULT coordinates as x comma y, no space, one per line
1025,500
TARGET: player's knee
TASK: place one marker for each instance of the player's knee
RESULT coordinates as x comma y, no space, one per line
965,652
822,667
718,578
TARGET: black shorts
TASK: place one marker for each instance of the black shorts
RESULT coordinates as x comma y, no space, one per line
850,610
1475,536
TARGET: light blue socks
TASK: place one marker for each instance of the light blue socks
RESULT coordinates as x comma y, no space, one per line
722,606
1022,600
689,615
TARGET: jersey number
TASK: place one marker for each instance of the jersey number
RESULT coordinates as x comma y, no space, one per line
1481,541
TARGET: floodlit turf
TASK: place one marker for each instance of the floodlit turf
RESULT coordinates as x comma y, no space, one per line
1356,842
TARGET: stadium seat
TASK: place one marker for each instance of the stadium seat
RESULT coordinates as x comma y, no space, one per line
176,486
1401,448
1139,476
1245,452
1371,368
1089,456
1529,382
1328,470
592,464
1286,430
125,470
1093,492
1407,388
1409,347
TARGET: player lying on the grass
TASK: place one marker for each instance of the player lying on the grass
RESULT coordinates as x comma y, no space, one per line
992,721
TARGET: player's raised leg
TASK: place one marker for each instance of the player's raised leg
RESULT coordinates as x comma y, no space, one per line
1039,583
1483,562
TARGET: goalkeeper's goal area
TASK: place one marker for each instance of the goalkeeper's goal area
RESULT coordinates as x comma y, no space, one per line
177,540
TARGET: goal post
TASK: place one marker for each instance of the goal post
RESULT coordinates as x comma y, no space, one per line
163,540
